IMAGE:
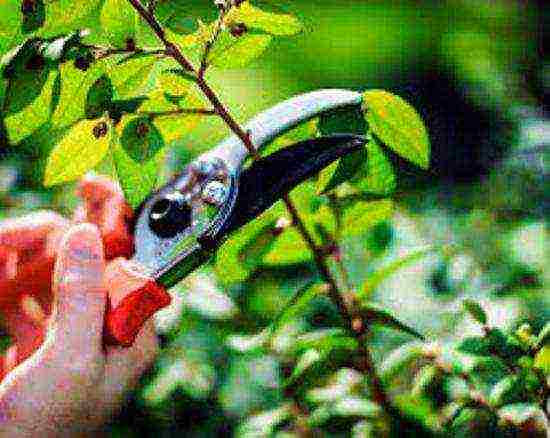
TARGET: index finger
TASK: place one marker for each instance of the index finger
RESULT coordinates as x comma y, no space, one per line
105,206
29,235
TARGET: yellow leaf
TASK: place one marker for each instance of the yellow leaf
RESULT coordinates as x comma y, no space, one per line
80,150
398,125
255,18
364,215
542,360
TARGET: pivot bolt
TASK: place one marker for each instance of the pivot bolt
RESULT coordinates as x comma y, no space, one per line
170,215
214,193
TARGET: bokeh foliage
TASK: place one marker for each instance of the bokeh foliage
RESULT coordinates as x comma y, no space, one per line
254,346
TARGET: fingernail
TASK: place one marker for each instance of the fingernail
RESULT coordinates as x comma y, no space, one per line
33,310
83,244
81,254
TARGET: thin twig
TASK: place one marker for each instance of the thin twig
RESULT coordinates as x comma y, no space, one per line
178,112
104,52
218,26
151,6
171,49
366,363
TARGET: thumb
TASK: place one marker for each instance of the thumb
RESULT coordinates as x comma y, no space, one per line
79,293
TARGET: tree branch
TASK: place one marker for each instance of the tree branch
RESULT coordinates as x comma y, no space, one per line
366,363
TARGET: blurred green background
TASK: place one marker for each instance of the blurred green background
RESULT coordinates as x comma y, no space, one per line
477,73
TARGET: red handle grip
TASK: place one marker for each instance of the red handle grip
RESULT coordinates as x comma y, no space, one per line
124,320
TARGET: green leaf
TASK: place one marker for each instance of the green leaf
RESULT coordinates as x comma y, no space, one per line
264,423
464,421
118,21
368,170
417,409
297,304
376,176
363,215
99,97
80,150
290,248
75,85
324,351
137,181
34,115
476,345
11,17
398,125
253,251
508,390
119,108
343,383
495,343
544,336
175,87
230,52
141,139
255,18
63,16
351,406
489,369
229,258
542,360
374,280
306,361
524,335
134,76
34,15
373,314
176,127
180,17
26,71
476,311
347,120
424,379
325,340
400,360
172,91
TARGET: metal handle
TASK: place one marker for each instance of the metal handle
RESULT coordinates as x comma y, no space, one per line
281,118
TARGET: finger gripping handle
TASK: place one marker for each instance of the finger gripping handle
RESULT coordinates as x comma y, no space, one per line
124,321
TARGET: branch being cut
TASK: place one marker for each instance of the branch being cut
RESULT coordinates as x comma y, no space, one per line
366,364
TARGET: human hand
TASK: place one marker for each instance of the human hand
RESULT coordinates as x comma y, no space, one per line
58,378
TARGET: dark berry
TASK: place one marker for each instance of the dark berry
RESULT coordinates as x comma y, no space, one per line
131,45
142,129
238,30
100,130
28,6
82,63
35,62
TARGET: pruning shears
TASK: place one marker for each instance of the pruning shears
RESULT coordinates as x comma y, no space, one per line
180,226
